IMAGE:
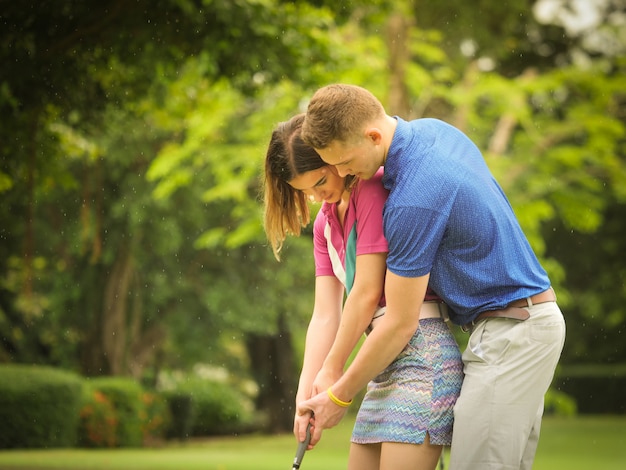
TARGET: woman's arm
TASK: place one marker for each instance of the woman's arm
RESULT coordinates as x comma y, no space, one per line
319,339
358,310
366,206
321,331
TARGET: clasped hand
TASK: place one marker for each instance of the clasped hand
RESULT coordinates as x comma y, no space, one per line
321,412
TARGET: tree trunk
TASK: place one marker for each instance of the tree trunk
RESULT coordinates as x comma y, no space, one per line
508,121
463,109
93,278
398,29
114,318
118,342
29,236
273,367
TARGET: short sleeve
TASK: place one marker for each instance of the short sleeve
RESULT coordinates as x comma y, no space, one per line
414,235
323,265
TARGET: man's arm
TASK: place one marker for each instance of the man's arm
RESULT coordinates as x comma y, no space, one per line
404,300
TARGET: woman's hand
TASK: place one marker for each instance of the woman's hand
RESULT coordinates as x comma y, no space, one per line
300,423
325,378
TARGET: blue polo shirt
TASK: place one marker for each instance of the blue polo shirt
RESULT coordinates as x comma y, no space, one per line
446,215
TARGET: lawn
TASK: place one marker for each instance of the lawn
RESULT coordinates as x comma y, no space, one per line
581,443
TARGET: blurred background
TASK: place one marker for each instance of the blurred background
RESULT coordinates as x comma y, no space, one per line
133,261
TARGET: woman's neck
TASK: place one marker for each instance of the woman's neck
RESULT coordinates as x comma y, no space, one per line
342,206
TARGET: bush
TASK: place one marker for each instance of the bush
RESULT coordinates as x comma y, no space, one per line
155,416
39,406
181,408
125,397
98,420
217,407
118,412
596,388
559,404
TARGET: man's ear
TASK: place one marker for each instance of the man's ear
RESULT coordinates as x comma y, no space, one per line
374,135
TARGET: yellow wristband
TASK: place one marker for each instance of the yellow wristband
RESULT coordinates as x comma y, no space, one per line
337,401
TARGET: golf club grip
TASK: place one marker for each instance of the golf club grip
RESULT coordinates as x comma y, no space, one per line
302,448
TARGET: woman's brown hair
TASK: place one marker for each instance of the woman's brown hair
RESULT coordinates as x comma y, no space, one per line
286,208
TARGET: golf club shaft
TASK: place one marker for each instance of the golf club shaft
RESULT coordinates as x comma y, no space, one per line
302,448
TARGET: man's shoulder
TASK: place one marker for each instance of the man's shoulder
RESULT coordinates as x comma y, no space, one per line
428,123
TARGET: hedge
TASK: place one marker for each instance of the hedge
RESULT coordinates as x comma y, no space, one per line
39,406
217,408
98,420
45,407
597,388
125,396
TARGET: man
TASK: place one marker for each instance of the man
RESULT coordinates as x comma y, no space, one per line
447,222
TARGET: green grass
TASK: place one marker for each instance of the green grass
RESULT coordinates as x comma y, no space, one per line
581,443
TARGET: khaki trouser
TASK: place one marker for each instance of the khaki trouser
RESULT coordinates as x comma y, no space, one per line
508,367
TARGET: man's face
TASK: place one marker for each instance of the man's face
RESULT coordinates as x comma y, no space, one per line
361,159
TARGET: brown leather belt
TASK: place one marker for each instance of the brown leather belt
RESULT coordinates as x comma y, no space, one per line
516,310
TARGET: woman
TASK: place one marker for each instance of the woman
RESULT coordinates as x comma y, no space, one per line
404,419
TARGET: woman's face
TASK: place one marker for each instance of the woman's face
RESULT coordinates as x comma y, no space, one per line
323,184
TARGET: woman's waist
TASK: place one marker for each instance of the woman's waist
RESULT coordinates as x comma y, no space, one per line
430,309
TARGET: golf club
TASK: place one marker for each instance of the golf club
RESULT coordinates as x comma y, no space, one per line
301,449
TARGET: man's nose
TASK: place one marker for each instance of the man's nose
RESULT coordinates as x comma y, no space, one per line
342,171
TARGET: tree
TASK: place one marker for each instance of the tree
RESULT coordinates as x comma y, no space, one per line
549,114
99,258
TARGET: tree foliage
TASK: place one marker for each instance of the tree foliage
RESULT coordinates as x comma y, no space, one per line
91,229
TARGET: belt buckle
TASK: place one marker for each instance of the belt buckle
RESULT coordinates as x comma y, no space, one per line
468,327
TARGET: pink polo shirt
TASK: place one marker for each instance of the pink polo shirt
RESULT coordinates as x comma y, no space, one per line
335,247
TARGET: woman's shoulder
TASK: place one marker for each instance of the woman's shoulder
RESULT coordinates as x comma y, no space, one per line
374,184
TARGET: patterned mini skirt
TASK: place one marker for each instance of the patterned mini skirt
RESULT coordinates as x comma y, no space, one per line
416,393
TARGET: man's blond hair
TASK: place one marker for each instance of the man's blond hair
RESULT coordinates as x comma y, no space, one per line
339,112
